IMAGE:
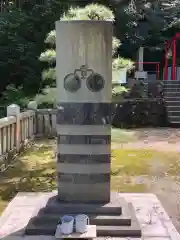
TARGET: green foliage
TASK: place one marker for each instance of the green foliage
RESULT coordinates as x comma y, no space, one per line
47,98
51,38
14,95
118,92
146,23
119,89
115,45
49,74
119,63
22,33
48,56
140,113
90,12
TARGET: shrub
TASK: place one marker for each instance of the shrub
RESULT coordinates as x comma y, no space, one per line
47,99
90,12
139,113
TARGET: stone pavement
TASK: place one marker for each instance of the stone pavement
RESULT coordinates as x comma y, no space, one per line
154,221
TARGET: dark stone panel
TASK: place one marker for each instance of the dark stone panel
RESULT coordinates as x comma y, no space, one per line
83,159
84,113
83,178
84,139
101,197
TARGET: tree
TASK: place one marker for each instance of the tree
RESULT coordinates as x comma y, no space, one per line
90,12
144,23
22,34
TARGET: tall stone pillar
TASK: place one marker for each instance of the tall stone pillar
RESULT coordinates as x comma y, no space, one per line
84,76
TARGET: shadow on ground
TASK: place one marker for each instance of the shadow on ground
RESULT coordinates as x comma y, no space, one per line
132,170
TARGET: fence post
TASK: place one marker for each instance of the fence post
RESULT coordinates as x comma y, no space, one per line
14,110
32,105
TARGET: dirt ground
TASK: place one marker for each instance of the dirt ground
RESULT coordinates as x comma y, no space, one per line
166,187
145,160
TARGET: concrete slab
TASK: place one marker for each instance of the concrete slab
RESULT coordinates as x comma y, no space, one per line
91,233
153,219
45,222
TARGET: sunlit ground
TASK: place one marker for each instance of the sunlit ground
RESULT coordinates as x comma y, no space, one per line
132,170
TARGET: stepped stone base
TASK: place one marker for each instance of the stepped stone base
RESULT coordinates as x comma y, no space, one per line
115,219
19,216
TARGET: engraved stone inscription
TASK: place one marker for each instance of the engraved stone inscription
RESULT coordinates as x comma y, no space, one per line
72,83
95,82
84,113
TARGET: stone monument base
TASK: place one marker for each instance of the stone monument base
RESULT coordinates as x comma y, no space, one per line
116,218
33,216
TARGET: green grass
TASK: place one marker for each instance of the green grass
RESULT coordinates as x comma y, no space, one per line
123,136
35,170
129,164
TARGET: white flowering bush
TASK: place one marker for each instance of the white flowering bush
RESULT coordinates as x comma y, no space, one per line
90,12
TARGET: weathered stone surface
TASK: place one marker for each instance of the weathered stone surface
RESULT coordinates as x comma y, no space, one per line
91,233
84,149
29,204
84,129
91,194
154,229
100,168
156,238
83,178
83,158
84,139
161,226
84,187
107,215
84,113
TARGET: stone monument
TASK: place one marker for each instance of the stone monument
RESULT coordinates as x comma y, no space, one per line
84,76
83,162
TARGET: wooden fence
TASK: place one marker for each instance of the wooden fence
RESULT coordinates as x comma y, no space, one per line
20,128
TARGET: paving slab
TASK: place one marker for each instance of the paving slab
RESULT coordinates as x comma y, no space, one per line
154,221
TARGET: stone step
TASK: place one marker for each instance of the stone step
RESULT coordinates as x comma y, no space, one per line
173,113
174,119
113,231
176,98
85,208
170,89
172,108
94,220
172,103
118,231
116,218
170,82
172,94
